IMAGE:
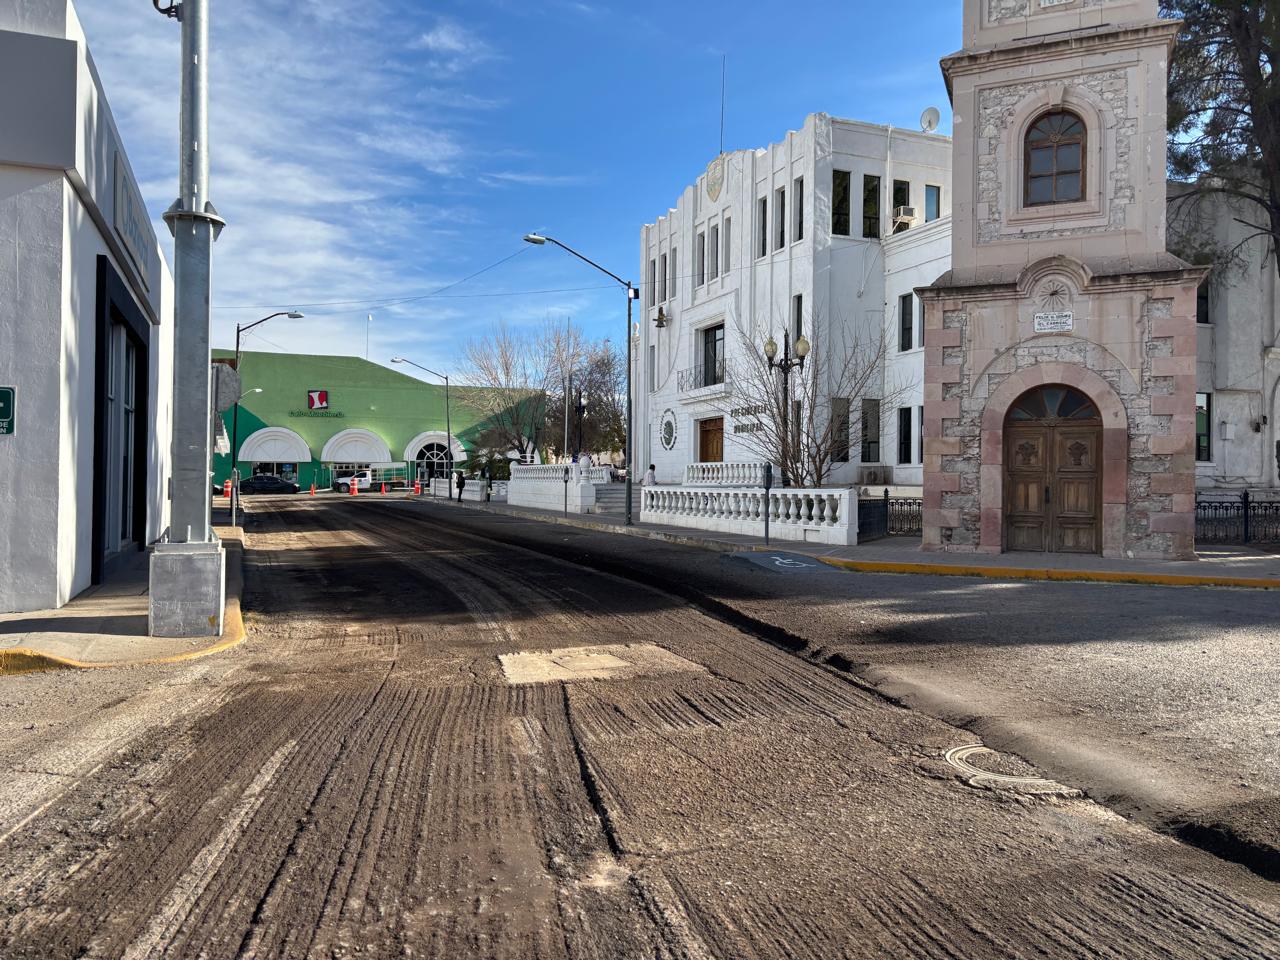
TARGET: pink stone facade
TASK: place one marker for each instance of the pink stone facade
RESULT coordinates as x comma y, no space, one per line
1144,389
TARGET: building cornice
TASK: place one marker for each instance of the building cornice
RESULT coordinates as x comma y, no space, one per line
1073,43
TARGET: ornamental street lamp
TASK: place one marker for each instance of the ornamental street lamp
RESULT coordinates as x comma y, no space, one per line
633,293
786,365
580,407
448,425
242,329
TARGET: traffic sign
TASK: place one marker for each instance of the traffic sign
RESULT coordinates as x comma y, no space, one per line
8,417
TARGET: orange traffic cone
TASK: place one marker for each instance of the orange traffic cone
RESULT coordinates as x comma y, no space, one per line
384,489
226,487
313,489
355,486
417,488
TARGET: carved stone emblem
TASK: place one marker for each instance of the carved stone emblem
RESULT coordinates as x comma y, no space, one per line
668,430
715,178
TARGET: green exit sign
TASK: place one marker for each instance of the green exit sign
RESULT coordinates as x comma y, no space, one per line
7,417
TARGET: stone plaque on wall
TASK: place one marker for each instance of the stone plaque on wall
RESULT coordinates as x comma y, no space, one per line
1058,322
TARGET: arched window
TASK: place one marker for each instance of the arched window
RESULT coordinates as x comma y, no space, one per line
1055,159
437,455
1054,402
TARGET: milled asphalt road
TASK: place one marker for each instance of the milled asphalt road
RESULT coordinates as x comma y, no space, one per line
1162,702
363,778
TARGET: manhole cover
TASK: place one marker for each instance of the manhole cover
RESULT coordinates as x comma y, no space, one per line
984,767
611,662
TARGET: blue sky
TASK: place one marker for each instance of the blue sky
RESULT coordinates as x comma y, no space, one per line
368,152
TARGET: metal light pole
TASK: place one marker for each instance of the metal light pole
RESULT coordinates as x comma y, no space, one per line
448,426
188,566
633,293
235,412
786,365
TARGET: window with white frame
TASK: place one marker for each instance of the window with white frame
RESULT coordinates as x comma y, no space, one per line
840,200
726,241
700,260
780,218
673,286
762,227
662,280
653,282
713,252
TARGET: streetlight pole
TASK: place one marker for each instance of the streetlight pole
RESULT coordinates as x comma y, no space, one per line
786,365
633,293
448,426
242,329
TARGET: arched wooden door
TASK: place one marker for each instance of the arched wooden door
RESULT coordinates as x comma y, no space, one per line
1053,472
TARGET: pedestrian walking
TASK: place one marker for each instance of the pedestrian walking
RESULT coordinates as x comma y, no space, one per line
650,477
461,482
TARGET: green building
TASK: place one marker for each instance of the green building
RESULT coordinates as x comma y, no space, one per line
309,418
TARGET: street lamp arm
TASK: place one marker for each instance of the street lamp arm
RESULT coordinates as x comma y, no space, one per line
588,260
442,376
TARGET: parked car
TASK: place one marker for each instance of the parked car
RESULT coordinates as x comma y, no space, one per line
265,483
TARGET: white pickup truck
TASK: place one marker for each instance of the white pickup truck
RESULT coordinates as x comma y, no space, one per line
363,480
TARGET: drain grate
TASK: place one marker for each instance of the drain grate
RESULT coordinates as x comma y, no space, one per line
960,758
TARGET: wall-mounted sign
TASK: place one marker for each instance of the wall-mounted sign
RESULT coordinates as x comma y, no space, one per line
8,415
131,222
1054,322
715,178
317,399
316,413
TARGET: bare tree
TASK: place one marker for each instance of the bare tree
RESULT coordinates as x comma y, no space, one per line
817,423
597,381
509,373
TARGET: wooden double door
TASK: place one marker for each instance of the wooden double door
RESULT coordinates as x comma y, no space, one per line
711,440
1053,486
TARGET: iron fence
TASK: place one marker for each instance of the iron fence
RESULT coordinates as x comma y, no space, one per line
1243,520
889,517
703,375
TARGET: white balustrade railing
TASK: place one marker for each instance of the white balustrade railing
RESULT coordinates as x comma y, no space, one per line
819,515
725,474
543,485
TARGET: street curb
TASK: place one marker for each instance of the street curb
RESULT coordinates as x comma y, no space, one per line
901,567
18,660
1209,834
1046,573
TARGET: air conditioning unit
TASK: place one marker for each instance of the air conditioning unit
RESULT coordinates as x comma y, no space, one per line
876,476
905,215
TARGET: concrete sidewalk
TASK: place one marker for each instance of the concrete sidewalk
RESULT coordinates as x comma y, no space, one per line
106,625
1218,564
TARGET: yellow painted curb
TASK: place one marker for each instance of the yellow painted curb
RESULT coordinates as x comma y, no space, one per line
16,660
1041,573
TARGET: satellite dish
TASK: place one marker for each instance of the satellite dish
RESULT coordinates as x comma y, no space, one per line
929,119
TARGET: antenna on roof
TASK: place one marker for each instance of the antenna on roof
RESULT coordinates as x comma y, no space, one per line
929,119
723,57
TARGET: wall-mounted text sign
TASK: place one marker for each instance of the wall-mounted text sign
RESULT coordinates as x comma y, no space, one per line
1054,322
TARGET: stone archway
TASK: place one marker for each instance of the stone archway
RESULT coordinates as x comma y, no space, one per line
1114,452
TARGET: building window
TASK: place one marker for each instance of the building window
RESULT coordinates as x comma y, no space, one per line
1202,304
797,317
871,207
672,285
653,368
901,198
713,252
870,431
762,226
840,427
653,282
904,434
932,202
712,356
662,280
700,260
920,435
840,203
1204,421
1055,159
726,241
906,322
780,218
797,207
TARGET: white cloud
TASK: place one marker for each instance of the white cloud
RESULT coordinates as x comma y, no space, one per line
455,47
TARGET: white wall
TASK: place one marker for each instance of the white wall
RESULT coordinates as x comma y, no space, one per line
912,259
31,360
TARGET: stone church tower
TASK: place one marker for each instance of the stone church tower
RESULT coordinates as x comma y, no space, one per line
1060,348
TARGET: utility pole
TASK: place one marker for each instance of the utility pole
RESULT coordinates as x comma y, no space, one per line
188,567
